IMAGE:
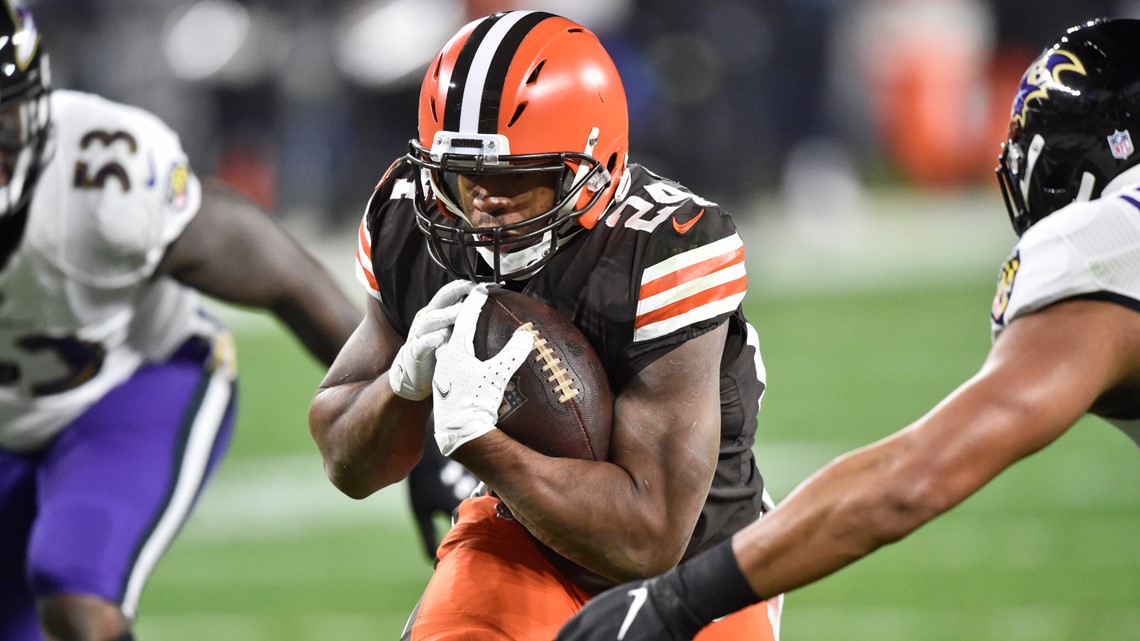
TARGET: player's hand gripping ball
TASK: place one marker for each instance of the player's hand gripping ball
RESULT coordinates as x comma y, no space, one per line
559,402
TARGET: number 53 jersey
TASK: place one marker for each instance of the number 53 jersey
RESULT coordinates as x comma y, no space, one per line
80,306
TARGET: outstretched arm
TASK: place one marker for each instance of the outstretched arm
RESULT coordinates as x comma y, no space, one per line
231,250
1045,372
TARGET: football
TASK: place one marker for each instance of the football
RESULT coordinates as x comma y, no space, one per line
559,403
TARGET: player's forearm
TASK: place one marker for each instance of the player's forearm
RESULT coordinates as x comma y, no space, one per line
590,512
851,507
368,437
321,317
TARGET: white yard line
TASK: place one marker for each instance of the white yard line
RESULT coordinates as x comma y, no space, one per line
280,498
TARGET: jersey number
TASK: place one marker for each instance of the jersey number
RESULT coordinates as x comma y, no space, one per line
80,360
646,215
85,179
71,361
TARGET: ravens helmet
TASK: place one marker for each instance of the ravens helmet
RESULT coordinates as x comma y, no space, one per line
24,113
517,93
1073,121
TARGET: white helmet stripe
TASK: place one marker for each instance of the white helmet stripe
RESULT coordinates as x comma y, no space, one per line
477,76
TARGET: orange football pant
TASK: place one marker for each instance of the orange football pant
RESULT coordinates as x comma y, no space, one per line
493,583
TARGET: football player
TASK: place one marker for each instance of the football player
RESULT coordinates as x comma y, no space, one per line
116,386
519,177
1066,328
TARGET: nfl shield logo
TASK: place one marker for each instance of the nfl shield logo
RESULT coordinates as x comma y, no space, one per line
1121,144
512,398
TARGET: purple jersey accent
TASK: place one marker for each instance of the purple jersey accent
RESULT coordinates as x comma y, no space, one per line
92,512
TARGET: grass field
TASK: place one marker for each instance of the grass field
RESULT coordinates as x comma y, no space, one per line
1046,553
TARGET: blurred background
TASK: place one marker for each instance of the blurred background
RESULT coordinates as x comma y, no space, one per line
854,141
303,103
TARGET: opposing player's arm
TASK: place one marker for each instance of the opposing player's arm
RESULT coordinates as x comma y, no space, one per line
369,437
233,251
632,516
1044,372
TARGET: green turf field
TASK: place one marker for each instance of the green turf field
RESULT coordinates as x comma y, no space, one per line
1048,552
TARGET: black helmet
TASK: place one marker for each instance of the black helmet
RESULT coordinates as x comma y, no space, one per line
24,117
1073,120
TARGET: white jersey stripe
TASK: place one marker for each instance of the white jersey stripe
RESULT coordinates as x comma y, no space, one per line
690,288
480,64
753,340
673,323
692,257
196,458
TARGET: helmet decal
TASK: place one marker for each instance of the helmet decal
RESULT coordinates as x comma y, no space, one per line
481,71
24,40
1043,76
1071,124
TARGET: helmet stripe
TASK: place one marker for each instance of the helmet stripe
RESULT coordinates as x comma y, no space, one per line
481,71
458,84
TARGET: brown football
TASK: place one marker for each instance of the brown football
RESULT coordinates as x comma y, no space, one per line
559,402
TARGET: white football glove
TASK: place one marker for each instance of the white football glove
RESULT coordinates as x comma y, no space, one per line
467,392
411,371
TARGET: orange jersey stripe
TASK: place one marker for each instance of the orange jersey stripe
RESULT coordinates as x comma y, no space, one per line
364,256
692,272
689,303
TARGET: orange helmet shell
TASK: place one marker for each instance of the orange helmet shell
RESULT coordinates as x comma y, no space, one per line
543,82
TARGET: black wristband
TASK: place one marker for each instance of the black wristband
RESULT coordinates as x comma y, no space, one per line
713,583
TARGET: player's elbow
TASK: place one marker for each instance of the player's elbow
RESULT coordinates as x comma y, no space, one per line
350,482
650,555
356,471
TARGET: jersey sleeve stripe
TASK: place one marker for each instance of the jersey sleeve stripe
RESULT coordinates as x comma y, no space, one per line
363,269
727,245
727,283
696,285
692,272
703,312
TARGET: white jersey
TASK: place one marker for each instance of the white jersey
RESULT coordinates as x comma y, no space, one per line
1087,250
80,310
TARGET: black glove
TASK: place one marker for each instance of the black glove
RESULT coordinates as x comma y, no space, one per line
436,486
671,607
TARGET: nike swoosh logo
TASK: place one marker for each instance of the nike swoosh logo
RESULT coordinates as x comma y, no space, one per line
442,392
681,228
639,595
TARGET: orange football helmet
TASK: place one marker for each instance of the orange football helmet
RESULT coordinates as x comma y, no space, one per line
519,91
